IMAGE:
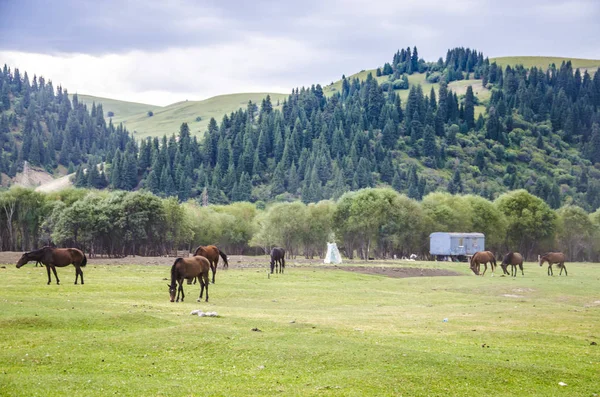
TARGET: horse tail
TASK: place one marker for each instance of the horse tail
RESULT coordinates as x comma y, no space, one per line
224,256
84,261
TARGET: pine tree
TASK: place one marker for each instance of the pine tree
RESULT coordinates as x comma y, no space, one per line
397,182
293,180
469,109
153,183
429,145
593,148
278,182
455,185
244,191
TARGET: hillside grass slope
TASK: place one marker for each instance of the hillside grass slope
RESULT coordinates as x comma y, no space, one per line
166,120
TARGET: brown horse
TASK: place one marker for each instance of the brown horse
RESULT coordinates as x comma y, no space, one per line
212,253
277,258
56,257
483,257
188,268
513,259
552,258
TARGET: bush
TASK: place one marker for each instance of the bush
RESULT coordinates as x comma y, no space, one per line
401,84
110,113
434,77
198,118
150,113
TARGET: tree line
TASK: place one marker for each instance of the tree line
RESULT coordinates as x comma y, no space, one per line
371,222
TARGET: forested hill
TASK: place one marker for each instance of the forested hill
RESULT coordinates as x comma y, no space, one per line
535,128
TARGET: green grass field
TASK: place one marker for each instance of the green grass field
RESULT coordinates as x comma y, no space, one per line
322,332
543,62
168,119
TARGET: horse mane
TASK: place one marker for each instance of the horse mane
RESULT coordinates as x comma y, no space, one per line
174,270
473,256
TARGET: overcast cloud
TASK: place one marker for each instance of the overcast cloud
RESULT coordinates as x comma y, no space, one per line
160,52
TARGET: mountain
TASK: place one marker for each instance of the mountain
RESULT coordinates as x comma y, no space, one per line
463,123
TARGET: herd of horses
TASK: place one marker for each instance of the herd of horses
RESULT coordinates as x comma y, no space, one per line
514,260
206,259
197,267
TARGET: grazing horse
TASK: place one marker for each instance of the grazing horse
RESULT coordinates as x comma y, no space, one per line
188,268
513,259
56,257
482,257
277,257
212,253
552,258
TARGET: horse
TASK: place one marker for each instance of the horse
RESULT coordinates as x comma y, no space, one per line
552,258
277,257
482,257
212,253
56,257
513,259
189,268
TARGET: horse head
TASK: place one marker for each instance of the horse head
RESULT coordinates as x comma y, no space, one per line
172,291
543,258
23,260
474,267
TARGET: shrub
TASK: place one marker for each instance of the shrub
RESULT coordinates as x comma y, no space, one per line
110,113
150,113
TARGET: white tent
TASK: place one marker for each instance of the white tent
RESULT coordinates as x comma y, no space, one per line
333,254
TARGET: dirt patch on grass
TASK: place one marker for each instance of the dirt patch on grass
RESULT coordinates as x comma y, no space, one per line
398,272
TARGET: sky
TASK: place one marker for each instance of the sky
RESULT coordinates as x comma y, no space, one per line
164,51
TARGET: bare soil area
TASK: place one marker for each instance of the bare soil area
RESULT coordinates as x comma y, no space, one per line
240,262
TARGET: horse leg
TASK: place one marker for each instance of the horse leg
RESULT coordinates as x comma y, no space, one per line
521,266
213,267
180,289
484,269
49,278
201,289
550,272
55,275
76,273
282,264
205,278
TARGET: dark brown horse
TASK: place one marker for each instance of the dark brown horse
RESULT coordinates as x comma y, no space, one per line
277,258
188,268
56,257
483,257
212,253
557,258
513,259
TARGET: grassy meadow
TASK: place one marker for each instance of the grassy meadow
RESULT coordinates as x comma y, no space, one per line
543,62
166,120
322,332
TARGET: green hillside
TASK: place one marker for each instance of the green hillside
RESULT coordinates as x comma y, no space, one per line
168,119
460,87
121,109
544,62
